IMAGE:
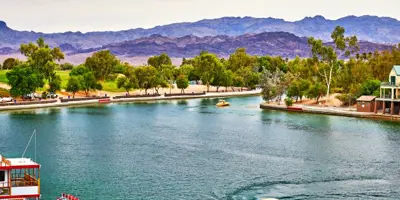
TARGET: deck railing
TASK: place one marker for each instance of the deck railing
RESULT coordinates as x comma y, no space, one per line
5,162
388,84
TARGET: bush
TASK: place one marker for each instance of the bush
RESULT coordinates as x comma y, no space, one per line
44,95
289,101
111,77
346,99
66,66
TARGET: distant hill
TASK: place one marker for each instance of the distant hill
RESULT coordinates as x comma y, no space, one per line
367,28
271,43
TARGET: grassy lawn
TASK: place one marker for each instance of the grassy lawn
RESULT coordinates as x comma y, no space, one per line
64,78
3,78
107,86
111,87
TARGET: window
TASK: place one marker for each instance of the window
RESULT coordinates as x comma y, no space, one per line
2,176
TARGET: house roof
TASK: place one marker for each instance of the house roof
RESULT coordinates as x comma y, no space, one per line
397,69
366,98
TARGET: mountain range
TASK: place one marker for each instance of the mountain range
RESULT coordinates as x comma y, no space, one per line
269,43
221,36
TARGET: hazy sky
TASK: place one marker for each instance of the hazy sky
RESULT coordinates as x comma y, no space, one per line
102,15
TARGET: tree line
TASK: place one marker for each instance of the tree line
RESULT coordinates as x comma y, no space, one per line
336,67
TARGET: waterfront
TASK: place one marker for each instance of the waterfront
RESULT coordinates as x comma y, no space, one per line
189,149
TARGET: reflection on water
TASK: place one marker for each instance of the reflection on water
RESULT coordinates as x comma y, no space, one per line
190,149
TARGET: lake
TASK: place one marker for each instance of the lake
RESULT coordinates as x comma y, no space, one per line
190,149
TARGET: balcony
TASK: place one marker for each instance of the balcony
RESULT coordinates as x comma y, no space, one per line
389,84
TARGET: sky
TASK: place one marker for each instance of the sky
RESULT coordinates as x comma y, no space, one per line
111,15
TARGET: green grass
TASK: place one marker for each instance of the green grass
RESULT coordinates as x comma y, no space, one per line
64,78
3,78
111,87
107,86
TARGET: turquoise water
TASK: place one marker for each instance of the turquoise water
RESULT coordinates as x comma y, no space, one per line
192,150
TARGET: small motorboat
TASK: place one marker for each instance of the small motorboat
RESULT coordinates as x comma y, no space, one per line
222,103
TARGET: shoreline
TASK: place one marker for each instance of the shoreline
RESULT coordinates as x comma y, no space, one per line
329,111
58,104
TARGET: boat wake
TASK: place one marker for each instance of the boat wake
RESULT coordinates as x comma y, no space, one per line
334,188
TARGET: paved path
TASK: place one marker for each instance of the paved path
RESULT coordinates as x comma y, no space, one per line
74,103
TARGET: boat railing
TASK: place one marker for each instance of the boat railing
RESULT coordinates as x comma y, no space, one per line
4,162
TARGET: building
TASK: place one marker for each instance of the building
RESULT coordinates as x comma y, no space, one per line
366,104
19,178
389,101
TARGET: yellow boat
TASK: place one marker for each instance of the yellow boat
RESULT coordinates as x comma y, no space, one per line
222,103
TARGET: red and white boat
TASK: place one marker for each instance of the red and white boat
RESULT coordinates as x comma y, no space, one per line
67,197
19,179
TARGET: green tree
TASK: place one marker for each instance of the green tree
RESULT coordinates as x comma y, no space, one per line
146,76
227,79
182,82
159,61
298,89
159,81
240,59
88,83
41,57
101,64
329,55
126,83
54,83
370,87
205,64
73,85
316,91
218,76
10,63
79,70
24,80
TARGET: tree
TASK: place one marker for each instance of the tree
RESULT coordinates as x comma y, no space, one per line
169,72
316,91
329,55
182,82
250,78
205,64
159,81
158,61
218,76
227,79
101,64
24,80
73,85
126,83
298,89
370,87
237,81
79,70
10,63
54,83
271,85
41,57
88,83
146,76
240,59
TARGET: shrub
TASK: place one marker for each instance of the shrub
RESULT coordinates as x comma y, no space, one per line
111,77
66,66
289,101
44,95
346,99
